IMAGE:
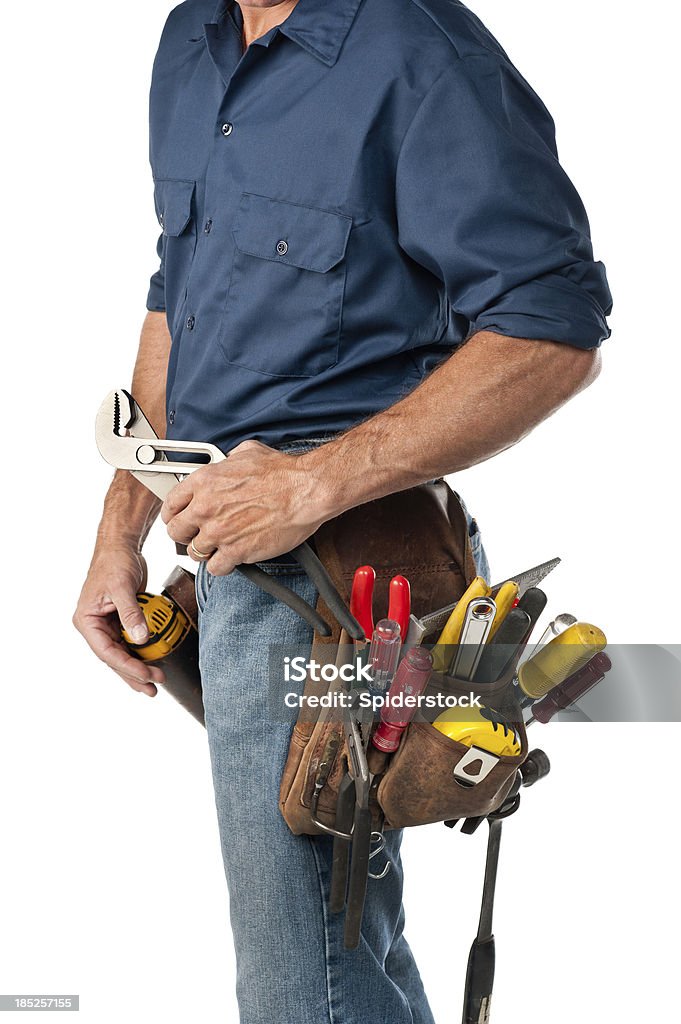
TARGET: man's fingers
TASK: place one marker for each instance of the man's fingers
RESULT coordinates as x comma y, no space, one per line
177,500
113,653
220,563
148,688
182,527
249,445
131,615
200,548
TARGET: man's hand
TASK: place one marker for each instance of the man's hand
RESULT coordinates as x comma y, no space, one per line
109,598
255,505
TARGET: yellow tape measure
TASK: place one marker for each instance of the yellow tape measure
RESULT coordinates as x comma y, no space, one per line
487,731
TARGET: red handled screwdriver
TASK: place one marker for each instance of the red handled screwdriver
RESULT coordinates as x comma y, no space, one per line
410,680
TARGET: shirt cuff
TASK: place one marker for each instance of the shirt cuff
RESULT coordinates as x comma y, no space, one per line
551,308
156,299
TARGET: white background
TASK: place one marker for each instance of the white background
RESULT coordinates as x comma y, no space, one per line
111,882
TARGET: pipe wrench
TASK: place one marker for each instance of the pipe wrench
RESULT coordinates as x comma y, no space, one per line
127,440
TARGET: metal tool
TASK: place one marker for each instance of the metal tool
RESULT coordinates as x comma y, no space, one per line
444,649
482,956
555,628
127,440
345,813
488,737
358,875
477,627
353,833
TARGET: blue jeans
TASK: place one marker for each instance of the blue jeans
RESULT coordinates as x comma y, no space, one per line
292,967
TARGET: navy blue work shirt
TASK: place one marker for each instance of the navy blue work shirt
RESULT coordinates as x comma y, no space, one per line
343,204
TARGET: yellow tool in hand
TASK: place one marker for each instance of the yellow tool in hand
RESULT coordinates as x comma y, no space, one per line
167,624
485,730
566,654
443,650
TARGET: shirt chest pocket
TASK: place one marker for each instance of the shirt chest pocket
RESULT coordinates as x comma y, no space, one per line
285,296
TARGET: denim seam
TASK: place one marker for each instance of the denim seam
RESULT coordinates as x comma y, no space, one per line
325,922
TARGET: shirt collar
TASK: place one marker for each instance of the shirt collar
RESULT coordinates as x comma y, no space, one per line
319,26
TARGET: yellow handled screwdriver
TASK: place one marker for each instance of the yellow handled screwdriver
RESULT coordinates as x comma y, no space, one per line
505,598
566,654
450,635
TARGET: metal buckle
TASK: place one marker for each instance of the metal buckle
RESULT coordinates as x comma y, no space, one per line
474,756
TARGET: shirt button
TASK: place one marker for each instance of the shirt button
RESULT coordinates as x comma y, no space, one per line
207,227
227,128
171,417
191,320
282,247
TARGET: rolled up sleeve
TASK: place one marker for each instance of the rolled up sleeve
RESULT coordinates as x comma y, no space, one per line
156,298
483,203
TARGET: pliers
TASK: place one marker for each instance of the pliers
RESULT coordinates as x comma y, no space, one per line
127,440
362,599
353,832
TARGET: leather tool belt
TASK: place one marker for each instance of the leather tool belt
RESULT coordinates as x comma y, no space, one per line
422,533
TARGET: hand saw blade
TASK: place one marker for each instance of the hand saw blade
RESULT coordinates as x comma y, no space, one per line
529,578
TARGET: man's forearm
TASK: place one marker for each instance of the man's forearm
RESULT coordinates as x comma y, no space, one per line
129,507
259,502
482,400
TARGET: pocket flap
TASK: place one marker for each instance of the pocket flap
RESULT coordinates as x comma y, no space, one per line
173,199
301,236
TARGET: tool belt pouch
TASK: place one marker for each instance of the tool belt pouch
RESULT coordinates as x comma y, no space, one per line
434,778
181,667
423,534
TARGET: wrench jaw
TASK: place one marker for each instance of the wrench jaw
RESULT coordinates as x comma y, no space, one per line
126,412
119,425
114,410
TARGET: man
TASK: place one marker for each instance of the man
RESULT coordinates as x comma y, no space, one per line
368,241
